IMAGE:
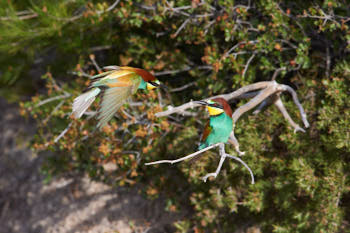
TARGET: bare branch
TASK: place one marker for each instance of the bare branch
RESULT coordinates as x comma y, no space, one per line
185,157
244,164
218,169
244,90
253,102
111,7
182,27
227,97
167,72
181,109
261,106
277,72
99,48
268,88
53,111
233,140
23,17
183,87
223,156
92,58
187,68
279,104
81,73
63,132
238,44
247,65
52,99
283,87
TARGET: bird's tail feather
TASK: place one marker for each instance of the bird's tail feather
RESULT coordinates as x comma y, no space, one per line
83,102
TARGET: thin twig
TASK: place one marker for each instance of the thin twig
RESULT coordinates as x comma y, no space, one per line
252,103
185,157
238,44
113,5
261,106
63,132
222,153
182,27
296,102
223,156
23,17
81,73
52,99
187,68
279,104
247,65
183,87
92,58
233,140
244,164
221,162
167,72
277,72
53,111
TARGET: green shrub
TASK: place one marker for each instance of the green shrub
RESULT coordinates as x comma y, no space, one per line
302,180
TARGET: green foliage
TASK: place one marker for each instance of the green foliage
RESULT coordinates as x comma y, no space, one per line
302,179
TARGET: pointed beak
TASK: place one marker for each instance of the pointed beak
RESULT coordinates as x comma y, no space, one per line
163,87
201,102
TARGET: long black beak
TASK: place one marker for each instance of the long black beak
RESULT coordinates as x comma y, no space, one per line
201,102
163,87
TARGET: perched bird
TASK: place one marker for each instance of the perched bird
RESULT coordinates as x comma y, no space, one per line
220,124
118,83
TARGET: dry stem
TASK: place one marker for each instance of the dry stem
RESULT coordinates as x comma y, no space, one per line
223,156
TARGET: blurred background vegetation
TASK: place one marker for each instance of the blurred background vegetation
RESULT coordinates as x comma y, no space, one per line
198,49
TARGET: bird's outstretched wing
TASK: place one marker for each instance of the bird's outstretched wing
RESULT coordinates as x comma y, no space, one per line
114,97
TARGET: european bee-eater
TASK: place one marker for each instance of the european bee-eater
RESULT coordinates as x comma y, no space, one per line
118,83
220,124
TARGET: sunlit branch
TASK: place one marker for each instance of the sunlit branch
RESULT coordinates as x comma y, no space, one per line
185,157
223,156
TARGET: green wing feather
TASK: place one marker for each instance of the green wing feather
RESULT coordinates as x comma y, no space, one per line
114,98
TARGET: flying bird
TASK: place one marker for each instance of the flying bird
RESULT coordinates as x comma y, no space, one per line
118,83
220,124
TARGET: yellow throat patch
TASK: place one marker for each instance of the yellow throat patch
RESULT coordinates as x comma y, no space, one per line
150,86
214,111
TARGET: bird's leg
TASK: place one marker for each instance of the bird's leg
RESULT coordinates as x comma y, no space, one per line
222,160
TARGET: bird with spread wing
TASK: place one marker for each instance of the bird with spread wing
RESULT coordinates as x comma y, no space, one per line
118,83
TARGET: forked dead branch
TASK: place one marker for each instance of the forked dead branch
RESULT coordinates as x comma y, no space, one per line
262,94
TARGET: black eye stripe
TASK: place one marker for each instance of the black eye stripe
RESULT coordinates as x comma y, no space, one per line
216,106
154,84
